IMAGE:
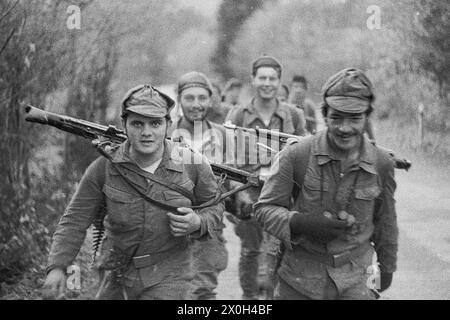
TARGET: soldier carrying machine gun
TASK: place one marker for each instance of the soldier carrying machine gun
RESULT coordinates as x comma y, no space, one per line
147,198
106,137
99,134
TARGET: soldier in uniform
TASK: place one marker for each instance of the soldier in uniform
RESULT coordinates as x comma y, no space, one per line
267,112
148,246
210,255
344,207
299,87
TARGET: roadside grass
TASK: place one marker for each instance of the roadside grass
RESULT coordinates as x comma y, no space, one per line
29,285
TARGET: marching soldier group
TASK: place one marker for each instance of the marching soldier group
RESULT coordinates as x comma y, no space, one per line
325,204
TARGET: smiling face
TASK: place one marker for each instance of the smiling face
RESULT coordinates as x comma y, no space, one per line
266,83
195,102
345,130
145,135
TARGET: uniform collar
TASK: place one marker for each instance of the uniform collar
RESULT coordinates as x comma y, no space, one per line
281,111
325,154
169,160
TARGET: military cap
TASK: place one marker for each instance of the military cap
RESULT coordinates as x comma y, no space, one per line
147,101
349,90
194,79
267,61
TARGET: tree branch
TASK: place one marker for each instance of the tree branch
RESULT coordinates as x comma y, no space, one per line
9,11
7,40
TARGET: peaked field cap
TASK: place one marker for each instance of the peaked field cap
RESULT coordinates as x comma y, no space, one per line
267,61
194,79
146,100
349,90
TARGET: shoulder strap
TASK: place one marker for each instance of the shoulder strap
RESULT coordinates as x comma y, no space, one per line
381,163
181,190
157,203
304,157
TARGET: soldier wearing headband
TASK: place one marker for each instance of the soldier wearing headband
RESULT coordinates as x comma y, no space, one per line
146,247
343,209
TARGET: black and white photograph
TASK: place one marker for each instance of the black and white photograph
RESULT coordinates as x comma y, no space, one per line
245,151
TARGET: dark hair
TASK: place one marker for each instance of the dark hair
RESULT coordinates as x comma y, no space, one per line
302,79
324,108
277,69
266,61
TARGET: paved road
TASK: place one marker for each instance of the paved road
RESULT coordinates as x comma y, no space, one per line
423,207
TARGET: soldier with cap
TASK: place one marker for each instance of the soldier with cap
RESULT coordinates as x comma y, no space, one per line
265,111
330,199
147,246
210,255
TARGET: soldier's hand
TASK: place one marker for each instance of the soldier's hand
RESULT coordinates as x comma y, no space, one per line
317,226
55,284
183,225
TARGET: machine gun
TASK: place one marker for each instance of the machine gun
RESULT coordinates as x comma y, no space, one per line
284,137
108,136
99,133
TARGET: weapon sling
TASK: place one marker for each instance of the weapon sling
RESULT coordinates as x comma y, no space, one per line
157,203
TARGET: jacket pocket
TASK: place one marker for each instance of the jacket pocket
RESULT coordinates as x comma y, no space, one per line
315,194
315,184
123,208
367,193
176,199
364,202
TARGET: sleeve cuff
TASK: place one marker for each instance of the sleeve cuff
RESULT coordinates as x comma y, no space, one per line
202,231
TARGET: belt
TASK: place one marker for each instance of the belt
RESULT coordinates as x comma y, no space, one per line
336,260
150,259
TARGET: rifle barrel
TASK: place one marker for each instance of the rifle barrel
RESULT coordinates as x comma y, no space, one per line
86,129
